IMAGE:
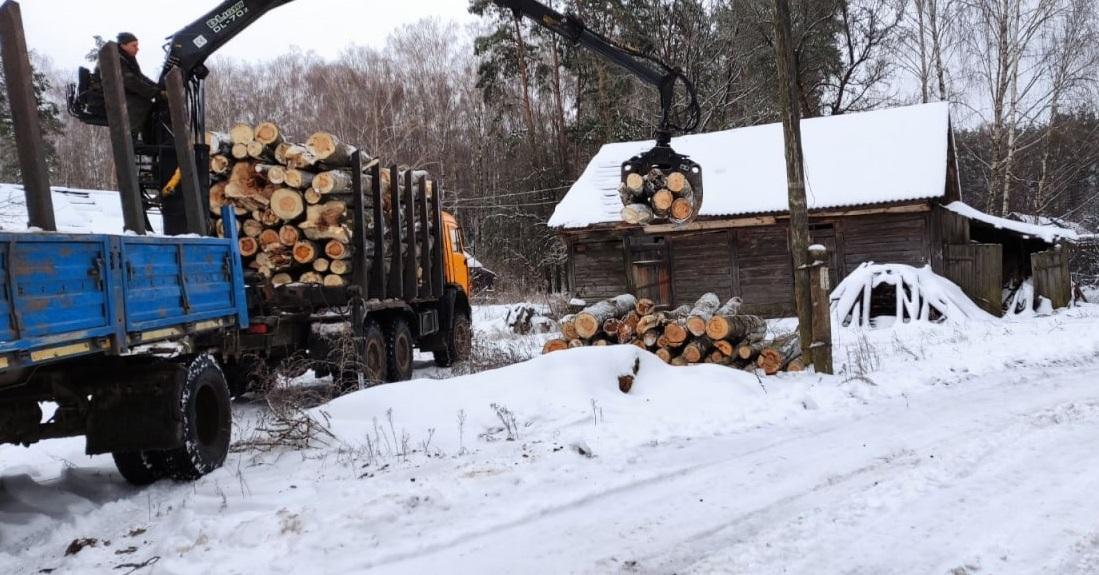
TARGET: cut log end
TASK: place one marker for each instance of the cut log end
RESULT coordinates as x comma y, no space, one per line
677,182
287,204
682,209
663,200
268,134
242,133
637,214
555,345
676,334
248,246
769,360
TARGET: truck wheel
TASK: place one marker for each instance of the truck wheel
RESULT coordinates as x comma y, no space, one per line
398,348
458,343
207,422
140,467
373,360
374,353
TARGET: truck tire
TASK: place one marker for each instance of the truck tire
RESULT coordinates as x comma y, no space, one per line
207,422
373,360
375,353
140,467
458,342
399,350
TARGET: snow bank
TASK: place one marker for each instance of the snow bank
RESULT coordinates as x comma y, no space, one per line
1048,233
76,210
852,159
572,396
921,295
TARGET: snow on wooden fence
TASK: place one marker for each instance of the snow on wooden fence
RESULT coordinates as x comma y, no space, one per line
920,295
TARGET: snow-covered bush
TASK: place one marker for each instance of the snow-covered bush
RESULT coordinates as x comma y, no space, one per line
1023,302
919,295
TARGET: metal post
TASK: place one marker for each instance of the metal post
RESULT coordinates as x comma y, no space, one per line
24,112
358,224
438,284
410,275
193,209
820,288
396,264
425,239
377,289
122,142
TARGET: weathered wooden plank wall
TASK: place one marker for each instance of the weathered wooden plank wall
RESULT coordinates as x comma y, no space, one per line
765,270
977,269
598,267
893,239
702,262
752,262
1051,275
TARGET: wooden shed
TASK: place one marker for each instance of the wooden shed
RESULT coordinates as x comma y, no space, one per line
877,184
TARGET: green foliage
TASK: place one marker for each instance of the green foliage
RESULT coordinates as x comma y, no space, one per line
49,116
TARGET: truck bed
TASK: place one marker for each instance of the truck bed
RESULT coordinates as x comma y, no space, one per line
66,295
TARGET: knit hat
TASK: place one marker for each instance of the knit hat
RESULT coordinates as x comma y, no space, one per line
126,38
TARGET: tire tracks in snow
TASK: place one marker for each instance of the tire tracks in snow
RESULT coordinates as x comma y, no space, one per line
819,461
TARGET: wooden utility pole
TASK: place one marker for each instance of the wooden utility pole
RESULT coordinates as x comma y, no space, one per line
821,286
795,173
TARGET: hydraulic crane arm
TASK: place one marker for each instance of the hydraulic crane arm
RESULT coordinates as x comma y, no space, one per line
645,67
661,159
190,47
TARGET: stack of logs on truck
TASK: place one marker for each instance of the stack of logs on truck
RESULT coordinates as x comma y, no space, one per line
323,227
707,332
293,203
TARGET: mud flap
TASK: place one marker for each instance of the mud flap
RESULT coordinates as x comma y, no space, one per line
140,412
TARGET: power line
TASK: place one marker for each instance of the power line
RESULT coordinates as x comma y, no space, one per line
513,194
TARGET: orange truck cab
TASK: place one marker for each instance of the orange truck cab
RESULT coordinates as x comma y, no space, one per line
454,255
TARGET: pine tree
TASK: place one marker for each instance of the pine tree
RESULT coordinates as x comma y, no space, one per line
49,116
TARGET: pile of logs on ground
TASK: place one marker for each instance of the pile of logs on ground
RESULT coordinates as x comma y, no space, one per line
656,195
293,203
708,332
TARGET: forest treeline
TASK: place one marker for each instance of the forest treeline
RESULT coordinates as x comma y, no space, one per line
508,114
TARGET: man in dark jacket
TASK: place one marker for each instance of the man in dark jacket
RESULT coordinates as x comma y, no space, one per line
140,90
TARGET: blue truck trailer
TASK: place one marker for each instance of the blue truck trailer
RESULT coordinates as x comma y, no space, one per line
105,326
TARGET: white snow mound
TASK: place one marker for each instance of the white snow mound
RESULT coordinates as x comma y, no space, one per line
566,395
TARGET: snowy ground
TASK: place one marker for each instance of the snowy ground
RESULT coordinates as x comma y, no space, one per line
940,449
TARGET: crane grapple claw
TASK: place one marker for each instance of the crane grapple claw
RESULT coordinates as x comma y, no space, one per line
668,182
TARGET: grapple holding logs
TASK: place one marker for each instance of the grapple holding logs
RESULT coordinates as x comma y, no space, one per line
660,185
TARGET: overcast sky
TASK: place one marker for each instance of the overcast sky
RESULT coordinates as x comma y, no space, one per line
63,29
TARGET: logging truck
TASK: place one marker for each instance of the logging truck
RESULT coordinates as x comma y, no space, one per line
138,341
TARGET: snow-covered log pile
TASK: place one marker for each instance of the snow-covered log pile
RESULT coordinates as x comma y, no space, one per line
919,295
707,332
293,202
657,196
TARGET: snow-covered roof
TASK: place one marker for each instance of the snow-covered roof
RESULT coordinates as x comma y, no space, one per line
852,159
1049,221
76,211
1048,233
